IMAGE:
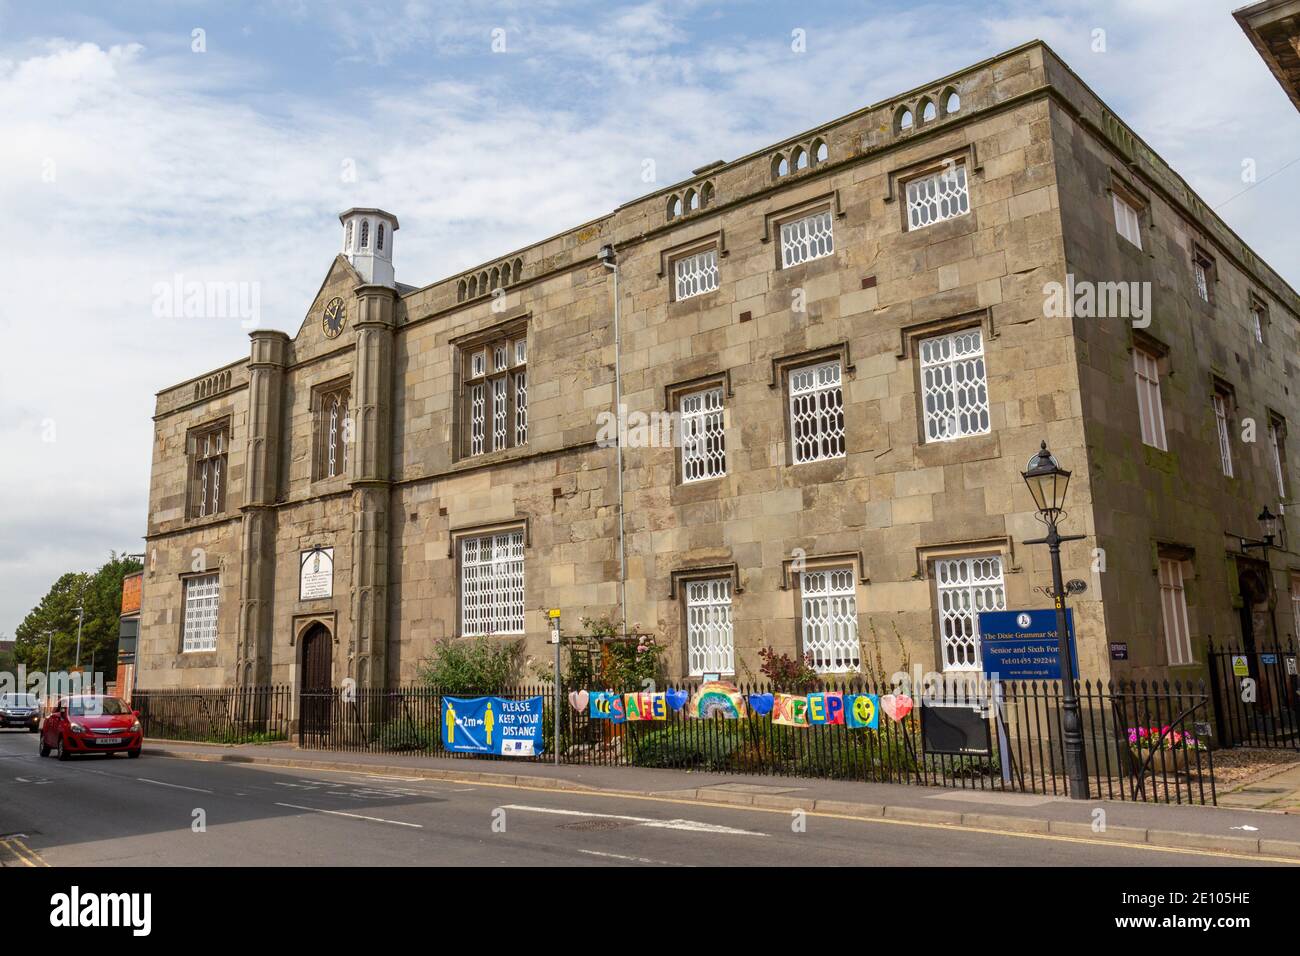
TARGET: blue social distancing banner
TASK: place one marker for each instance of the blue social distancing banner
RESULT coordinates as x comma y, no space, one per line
492,725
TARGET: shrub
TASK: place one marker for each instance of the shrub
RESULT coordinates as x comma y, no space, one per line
788,674
404,733
682,746
478,664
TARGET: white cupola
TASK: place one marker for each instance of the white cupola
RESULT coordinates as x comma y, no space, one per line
368,244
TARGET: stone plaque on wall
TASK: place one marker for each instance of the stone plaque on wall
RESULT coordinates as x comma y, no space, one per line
316,574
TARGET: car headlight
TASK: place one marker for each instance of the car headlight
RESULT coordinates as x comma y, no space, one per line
76,728
136,728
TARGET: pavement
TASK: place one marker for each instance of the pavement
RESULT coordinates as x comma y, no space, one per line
197,804
1278,792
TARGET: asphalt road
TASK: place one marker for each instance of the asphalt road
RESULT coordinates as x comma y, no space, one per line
158,811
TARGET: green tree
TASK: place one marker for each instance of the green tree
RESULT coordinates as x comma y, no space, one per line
100,593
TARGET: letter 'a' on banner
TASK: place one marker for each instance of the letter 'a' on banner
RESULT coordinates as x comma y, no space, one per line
492,725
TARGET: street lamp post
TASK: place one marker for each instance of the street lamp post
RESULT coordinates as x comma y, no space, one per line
81,616
1047,482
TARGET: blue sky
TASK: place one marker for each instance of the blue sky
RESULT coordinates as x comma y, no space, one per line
129,158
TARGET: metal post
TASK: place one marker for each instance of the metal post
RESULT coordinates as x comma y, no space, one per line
554,615
81,616
1076,766
49,643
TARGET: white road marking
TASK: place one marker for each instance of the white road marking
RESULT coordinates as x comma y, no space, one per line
174,786
632,859
358,816
694,826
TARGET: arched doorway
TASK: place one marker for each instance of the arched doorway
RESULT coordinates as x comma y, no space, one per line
315,697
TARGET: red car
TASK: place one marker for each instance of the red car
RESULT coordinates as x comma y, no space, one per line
91,725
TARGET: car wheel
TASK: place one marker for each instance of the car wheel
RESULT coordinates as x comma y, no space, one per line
62,751
45,748
133,753
32,730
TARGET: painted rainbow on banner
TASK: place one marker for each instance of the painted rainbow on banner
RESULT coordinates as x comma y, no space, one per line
717,698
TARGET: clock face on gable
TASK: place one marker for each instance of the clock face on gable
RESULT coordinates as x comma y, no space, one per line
334,317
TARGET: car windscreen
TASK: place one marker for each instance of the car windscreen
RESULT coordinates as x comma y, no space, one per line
17,700
95,706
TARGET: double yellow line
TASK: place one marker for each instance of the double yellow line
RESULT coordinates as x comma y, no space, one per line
14,852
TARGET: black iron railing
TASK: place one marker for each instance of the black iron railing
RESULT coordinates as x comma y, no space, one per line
1144,742
229,715
1256,695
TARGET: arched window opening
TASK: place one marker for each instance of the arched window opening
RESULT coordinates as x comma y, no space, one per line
379,238
347,242
460,291
706,194
928,112
953,103
800,158
905,120
365,233
820,151
519,269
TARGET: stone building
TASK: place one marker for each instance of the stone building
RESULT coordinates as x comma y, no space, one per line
857,338
1273,27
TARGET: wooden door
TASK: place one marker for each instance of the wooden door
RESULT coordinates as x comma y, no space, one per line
315,695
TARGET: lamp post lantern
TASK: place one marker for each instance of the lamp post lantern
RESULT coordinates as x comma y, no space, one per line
1047,482
1269,525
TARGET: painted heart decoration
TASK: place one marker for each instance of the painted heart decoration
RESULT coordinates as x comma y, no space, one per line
896,706
578,700
761,704
677,698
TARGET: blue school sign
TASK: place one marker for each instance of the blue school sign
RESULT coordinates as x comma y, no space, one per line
1022,645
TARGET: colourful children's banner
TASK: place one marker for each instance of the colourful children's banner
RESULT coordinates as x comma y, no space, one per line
717,698
492,725
826,708
720,698
645,706
862,710
789,710
602,704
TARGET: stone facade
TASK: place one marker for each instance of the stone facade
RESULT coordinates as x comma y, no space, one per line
1040,155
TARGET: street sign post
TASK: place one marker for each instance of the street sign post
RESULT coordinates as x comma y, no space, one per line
554,615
